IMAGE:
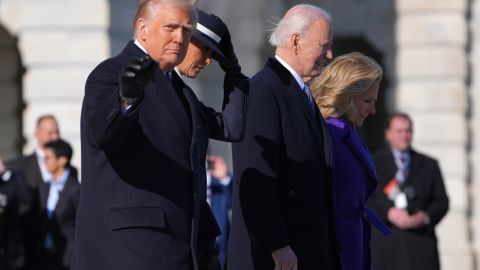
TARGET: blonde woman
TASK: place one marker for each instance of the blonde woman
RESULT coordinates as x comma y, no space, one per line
346,92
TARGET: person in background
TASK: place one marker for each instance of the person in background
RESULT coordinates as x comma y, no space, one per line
411,199
33,166
211,39
34,173
12,190
58,207
219,196
282,212
144,142
346,93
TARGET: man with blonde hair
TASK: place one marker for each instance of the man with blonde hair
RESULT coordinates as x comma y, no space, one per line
144,140
282,207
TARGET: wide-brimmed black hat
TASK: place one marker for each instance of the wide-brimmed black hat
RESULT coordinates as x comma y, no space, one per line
210,30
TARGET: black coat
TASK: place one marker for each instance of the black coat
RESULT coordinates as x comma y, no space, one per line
61,225
29,217
143,197
12,253
282,190
412,249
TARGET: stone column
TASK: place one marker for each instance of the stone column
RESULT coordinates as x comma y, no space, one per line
475,125
60,41
431,37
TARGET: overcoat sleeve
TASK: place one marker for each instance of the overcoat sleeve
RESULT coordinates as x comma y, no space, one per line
229,125
258,163
438,207
107,124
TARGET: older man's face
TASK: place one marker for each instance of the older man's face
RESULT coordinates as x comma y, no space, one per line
166,34
47,131
315,49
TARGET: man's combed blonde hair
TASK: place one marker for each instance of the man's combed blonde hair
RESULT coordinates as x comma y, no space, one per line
345,78
145,5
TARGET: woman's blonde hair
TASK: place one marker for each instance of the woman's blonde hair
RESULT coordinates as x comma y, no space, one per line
345,78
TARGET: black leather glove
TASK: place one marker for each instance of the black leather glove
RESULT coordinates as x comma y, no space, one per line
133,78
226,47
207,255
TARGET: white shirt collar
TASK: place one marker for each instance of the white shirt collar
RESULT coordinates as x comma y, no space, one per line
140,46
297,77
46,176
40,153
178,71
61,181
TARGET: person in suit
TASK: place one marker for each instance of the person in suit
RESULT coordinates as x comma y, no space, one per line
144,139
12,256
282,214
58,207
219,196
411,199
34,173
33,166
346,92
211,39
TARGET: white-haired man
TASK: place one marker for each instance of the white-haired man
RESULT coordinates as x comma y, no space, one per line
282,208
144,140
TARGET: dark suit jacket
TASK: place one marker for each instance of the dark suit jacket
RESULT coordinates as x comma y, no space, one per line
142,202
29,218
11,247
28,167
415,248
30,177
62,225
281,190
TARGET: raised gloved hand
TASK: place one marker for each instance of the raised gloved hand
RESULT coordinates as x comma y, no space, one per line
226,47
133,78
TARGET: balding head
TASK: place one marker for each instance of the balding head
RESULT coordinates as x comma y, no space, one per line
296,20
46,130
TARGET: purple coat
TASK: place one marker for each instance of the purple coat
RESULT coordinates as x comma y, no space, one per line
354,181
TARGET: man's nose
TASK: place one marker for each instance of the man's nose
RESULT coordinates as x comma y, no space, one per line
329,54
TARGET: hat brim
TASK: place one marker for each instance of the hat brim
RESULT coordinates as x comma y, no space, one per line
216,53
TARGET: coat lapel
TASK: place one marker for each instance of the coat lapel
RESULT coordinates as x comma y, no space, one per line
168,97
359,149
415,164
356,146
294,92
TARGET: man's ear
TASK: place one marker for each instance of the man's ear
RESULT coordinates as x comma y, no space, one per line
63,161
142,28
294,42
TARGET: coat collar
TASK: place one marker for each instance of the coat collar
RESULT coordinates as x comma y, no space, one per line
344,131
294,92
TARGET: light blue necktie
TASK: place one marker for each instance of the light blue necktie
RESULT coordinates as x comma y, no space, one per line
307,92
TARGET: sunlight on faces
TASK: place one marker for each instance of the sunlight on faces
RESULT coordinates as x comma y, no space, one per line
197,58
364,105
400,133
46,131
314,49
165,33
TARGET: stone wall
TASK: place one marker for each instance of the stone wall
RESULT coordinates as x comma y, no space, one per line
432,72
474,124
60,41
